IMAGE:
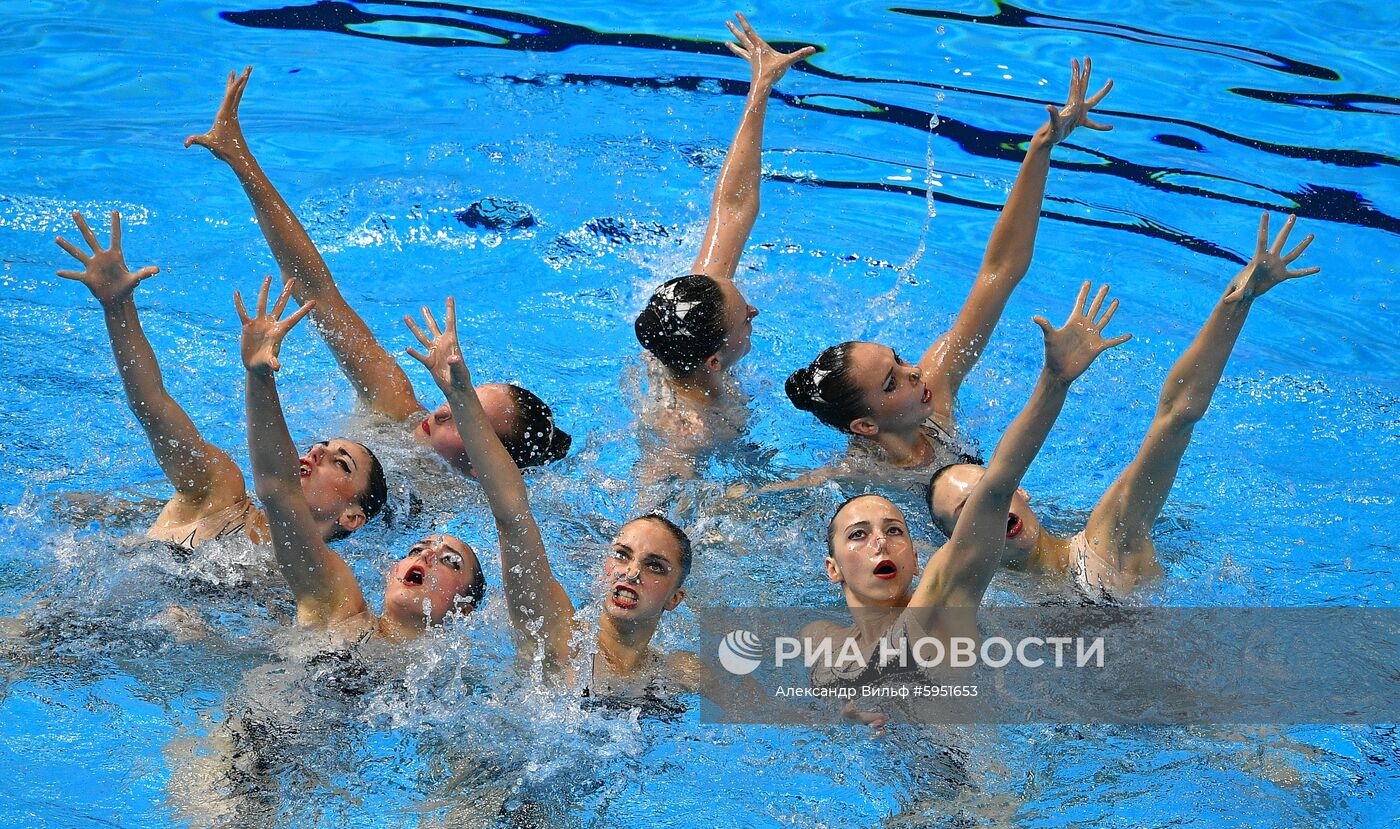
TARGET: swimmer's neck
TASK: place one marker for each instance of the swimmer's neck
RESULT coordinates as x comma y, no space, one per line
871,624
909,450
395,631
1051,553
700,388
625,646
873,618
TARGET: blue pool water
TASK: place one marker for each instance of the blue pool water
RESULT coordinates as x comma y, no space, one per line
607,121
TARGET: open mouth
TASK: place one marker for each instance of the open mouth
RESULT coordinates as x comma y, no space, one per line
928,395
624,597
886,570
427,430
304,468
1013,525
414,576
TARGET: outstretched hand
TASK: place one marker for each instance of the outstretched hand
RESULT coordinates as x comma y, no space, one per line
264,332
1269,266
1070,350
768,65
105,272
225,138
444,358
1075,112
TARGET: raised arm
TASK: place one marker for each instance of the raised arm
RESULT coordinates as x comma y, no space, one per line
375,375
959,573
735,205
324,587
1009,250
540,611
203,475
1121,523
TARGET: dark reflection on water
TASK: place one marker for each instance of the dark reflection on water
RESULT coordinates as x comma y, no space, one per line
1018,18
529,33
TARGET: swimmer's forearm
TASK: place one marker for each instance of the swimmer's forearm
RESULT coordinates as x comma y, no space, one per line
1023,440
959,575
539,607
274,455
190,464
1012,243
136,360
1192,381
495,469
739,178
291,246
319,579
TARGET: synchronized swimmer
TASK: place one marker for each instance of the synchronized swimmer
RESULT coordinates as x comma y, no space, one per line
693,330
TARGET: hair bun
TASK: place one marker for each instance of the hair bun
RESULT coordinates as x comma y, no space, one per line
800,389
559,444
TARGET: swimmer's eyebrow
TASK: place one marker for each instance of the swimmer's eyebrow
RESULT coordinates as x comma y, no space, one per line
865,524
348,459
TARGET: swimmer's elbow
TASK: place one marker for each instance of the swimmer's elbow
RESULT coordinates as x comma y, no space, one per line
1178,410
738,203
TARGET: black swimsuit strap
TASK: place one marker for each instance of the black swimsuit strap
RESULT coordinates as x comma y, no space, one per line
953,445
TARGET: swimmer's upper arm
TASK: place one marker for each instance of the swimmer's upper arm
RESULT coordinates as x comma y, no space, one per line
1122,519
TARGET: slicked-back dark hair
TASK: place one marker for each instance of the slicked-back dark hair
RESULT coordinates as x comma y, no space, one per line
683,323
827,389
373,497
476,590
535,438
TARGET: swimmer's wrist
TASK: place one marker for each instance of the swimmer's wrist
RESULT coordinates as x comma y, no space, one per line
1042,141
1052,380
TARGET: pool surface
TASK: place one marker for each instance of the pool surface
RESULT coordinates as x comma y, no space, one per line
393,127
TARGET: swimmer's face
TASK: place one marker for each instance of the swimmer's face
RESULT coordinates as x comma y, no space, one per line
642,574
439,431
894,391
334,473
738,324
950,494
871,554
430,581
